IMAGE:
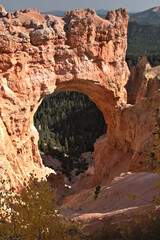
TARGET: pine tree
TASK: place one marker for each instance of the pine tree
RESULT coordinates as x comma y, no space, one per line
66,144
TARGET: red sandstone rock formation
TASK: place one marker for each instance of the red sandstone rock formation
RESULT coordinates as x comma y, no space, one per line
82,52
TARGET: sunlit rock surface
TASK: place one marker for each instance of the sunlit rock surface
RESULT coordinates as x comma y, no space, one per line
82,52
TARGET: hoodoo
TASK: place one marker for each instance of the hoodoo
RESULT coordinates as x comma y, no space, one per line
81,52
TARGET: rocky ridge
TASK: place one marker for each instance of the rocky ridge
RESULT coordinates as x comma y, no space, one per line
82,52
149,16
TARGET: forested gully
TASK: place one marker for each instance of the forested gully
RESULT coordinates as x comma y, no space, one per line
68,124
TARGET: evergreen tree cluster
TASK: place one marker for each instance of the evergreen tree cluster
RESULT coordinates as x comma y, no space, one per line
143,38
68,122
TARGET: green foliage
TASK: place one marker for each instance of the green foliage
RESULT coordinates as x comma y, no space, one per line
33,214
156,144
146,223
97,191
68,122
143,38
143,227
156,153
153,158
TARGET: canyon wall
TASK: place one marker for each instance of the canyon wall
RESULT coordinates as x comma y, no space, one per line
127,145
82,52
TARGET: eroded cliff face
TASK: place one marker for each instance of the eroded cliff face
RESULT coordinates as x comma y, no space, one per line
128,145
81,52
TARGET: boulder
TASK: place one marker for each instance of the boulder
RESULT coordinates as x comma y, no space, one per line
41,36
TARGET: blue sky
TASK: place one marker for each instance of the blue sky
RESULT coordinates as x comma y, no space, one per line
131,5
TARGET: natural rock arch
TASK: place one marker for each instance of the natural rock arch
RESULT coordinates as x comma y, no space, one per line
80,52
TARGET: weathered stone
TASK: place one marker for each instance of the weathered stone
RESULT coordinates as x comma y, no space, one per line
136,78
7,43
31,10
31,24
81,52
16,14
16,23
2,11
41,36
6,22
24,36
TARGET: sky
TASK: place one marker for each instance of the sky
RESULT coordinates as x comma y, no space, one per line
49,5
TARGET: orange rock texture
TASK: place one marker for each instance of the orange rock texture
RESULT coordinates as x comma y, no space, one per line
40,54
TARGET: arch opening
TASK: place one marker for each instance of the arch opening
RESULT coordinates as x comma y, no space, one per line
68,123
80,52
